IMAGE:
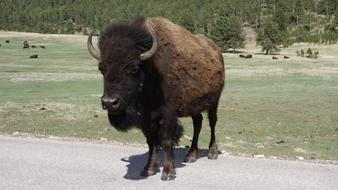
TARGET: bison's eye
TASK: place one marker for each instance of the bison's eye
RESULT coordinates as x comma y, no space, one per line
134,69
102,68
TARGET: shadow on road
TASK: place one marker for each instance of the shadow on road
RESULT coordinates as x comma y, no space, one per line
136,163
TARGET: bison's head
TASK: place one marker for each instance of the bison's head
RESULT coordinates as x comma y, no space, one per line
124,49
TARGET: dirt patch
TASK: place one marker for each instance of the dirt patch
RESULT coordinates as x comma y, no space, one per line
81,39
300,150
65,111
273,71
58,77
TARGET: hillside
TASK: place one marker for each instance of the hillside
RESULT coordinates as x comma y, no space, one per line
296,19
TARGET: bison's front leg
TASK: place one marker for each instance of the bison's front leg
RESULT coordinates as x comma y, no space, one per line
151,167
168,172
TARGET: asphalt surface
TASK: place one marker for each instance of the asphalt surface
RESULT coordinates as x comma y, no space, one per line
30,163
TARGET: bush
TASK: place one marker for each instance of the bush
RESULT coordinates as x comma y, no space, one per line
309,53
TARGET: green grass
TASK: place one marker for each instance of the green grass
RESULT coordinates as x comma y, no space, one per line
283,108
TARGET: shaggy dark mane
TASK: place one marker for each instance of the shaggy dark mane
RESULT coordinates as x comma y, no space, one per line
133,30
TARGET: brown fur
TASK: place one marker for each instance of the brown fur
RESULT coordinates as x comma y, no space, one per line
190,64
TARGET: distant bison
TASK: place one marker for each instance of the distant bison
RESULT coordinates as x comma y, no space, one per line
43,47
248,56
155,71
274,57
35,56
7,41
286,57
33,46
25,45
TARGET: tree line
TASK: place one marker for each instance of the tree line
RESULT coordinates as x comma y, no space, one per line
277,22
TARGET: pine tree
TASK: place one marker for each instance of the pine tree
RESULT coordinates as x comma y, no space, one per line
269,36
227,32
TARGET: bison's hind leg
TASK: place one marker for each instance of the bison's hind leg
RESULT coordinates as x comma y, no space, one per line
193,152
213,151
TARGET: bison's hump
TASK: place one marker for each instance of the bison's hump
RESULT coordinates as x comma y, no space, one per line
190,64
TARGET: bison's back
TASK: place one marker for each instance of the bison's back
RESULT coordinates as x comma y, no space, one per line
191,65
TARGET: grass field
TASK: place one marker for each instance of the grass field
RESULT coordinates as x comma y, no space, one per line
283,108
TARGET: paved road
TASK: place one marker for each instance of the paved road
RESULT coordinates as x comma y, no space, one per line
29,163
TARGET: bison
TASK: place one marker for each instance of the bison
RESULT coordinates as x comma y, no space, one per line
34,56
7,41
248,56
25,45
155,71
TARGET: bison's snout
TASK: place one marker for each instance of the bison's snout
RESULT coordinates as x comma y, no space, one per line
113,104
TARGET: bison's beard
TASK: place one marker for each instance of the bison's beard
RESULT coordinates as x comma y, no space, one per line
123,121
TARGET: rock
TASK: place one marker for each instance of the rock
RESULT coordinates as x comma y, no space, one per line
259,156
260,146
16,133
300,158
103,139
224,152
337,129
53,137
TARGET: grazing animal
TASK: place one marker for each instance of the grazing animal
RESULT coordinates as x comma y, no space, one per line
286,57
248,56
43,47
7,41
33,46
0,45
34,56
25,45
273,57
155,71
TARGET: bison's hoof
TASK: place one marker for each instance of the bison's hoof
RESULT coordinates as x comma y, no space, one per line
167,176
191,156
213,153
148,172
212,156
190,159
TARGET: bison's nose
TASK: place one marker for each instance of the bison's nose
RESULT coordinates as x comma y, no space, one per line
112,103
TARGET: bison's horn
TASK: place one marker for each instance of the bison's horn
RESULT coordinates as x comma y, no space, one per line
91,48
148,54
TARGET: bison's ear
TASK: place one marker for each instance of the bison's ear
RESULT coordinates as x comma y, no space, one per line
138,21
